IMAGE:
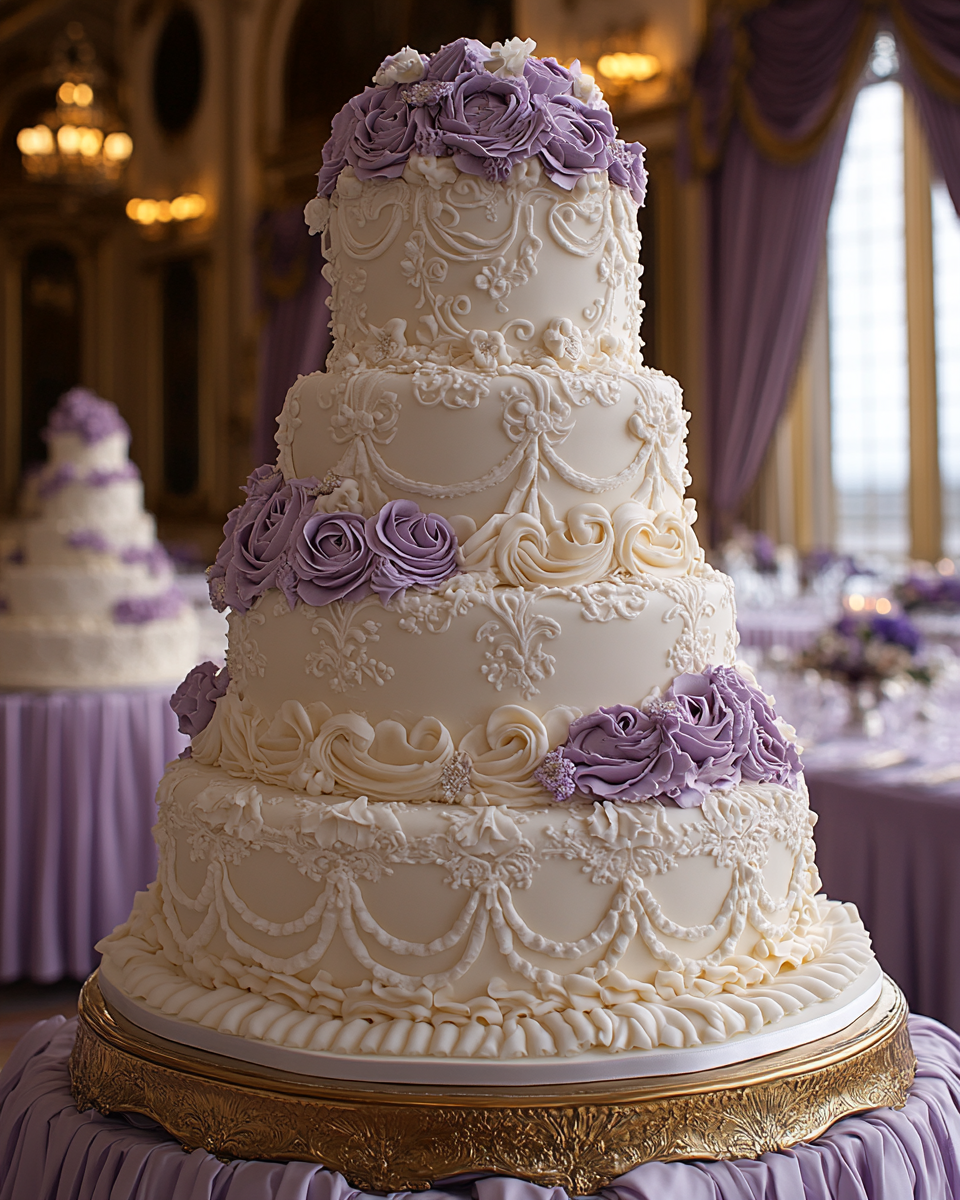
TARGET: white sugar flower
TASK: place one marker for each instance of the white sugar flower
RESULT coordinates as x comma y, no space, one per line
403,67
585,87
489,350
564,341
316,214
427,168
509,57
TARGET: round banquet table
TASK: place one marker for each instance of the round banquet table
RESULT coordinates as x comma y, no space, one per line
48,1150
77,784
891,843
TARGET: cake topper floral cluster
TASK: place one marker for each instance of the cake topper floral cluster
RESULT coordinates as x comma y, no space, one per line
307,538
87,415
488,108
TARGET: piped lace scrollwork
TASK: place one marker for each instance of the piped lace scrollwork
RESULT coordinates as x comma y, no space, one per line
806,949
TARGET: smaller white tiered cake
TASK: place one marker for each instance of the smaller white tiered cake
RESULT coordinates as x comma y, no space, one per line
87,598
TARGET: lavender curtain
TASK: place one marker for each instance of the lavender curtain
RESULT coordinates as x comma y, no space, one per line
296,335
773,90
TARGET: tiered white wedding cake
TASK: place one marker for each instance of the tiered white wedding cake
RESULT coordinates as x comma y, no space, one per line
482,795
88,595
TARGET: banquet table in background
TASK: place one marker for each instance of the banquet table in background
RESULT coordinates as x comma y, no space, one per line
79,776
792,626
48,1150
892,846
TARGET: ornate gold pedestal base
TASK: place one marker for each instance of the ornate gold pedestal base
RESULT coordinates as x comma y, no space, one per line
578,1136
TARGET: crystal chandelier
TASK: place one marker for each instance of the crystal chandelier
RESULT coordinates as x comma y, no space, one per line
81,141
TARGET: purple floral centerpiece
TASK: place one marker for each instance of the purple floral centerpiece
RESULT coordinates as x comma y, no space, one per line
487,108
87,415
930,593
196,698
711,729
867,649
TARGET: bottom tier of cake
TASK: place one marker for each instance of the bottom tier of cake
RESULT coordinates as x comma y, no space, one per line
436,932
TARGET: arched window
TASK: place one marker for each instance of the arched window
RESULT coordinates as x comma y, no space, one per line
50,339
181,377
178,71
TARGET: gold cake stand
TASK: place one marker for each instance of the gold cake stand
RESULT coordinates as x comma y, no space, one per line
393,1137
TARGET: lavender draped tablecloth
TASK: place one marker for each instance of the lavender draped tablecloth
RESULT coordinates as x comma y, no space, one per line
892,846
78,776
48,1149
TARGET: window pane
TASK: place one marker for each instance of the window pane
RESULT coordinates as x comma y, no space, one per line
946,293
868,345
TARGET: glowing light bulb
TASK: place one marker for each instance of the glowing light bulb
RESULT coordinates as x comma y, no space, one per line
36,140
117,147
65,92
623,67
147,212
946,566
83,95
856,602
883,606
90,141
68,139
163,211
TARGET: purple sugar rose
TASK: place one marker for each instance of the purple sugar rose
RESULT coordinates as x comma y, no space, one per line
334,153
413,548
261,483
85,414
465,56
261,541
626,168
578,142
196,698
708,724
489,124
546,77
618,753
331,558
138,610
765,755
154,557
384,132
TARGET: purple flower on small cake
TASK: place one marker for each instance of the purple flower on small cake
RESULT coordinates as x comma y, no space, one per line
122,474
85,414
710,729
138,610
489,108
283,537
196,698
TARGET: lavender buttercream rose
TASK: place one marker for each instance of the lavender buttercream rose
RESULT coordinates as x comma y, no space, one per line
261,543
413,548
331,558
196,698
384,134
765,754
618,753
546,77
578,142
261,482
334,153
465,56
705,721
626,168
489,124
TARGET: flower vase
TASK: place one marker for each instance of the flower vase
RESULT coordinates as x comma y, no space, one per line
864,719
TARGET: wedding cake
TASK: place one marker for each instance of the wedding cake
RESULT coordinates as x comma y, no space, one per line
482,795
87,594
